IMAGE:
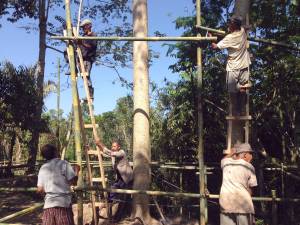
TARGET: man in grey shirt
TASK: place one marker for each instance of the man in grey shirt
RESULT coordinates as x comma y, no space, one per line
54,180
120,164
238,179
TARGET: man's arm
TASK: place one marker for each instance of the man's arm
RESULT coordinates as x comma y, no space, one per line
213,44
119,154
74,179
40,190
99,143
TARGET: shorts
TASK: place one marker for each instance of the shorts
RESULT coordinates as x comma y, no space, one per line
58,216
237,78
236,219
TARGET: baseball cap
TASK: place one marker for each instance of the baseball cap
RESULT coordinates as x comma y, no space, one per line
85,22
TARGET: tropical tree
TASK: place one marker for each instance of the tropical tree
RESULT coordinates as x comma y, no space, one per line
18,86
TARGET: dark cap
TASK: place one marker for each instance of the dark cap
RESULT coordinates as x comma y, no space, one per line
237,20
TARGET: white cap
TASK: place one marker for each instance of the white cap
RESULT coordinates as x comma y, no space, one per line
85,22
245,147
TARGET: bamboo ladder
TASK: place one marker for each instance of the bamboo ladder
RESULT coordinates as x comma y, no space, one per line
88,151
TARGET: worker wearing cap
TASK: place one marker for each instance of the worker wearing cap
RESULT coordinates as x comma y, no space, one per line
238,178
238,61
88,49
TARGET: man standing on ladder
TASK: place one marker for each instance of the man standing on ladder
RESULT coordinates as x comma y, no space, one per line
88,50
238,62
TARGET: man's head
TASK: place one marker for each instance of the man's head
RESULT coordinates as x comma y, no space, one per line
86,26
49,152
235,23
115,146
245,152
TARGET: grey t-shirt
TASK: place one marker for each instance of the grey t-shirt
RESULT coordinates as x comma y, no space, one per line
53,177
238,177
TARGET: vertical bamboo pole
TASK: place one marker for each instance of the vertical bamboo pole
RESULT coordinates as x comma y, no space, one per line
274,208
58,103
75,100
200,122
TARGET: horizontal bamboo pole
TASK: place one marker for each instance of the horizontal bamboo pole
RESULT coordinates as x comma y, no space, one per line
176,194
260,40
137,38
221,32
22,212
17,178
19,189
155,193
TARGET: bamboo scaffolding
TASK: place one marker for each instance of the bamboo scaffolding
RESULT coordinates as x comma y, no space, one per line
22,212
112,38
156,193
178,194
253,39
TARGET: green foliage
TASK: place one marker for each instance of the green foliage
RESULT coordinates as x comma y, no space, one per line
18,86
118,124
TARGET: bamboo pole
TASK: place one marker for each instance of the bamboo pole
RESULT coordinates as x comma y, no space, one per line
253,39
76,109
200,123
58,105
22,212
16,189
274,208
155,193
112,38
177,194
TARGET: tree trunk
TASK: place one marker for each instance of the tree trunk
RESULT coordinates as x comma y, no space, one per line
18,150
141,123
241,8
10,154
33,144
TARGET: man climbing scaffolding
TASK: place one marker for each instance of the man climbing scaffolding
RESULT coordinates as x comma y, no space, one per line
238,62
120,164
88,50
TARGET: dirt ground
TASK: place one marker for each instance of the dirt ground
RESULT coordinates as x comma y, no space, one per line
11,202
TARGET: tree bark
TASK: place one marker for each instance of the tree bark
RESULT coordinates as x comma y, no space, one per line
33,144
141,123
12,142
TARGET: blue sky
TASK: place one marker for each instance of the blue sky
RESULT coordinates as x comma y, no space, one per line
21,48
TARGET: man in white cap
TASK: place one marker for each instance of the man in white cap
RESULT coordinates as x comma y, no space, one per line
238,178
238,62
88,50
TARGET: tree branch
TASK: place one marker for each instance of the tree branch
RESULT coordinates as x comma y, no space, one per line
55,49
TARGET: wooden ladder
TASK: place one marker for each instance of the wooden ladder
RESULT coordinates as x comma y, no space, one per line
245,118
87,149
